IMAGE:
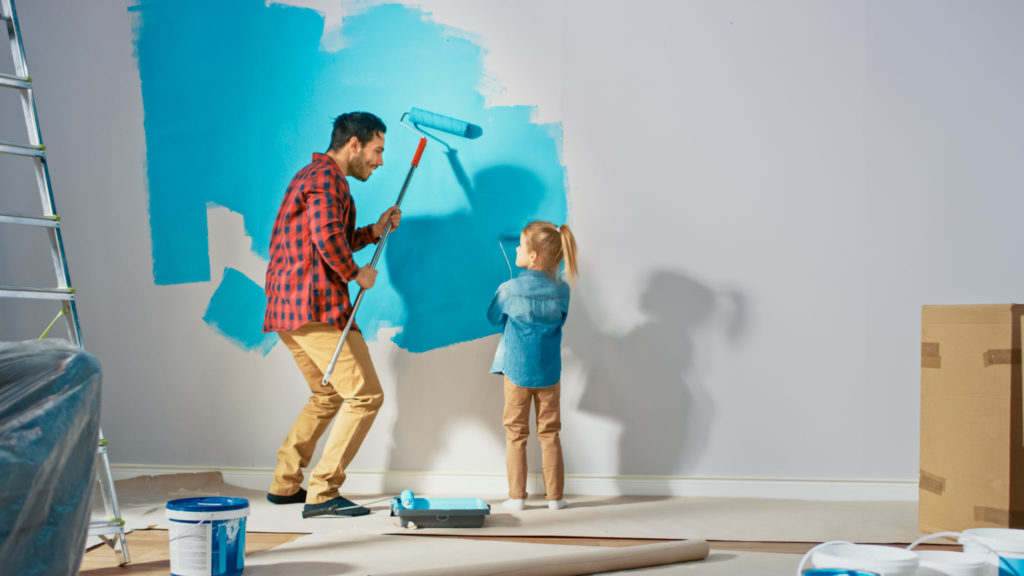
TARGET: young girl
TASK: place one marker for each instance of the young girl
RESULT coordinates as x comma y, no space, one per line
532,307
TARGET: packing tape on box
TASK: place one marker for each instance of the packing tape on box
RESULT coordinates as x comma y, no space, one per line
930,357
993,357
932,483
992,515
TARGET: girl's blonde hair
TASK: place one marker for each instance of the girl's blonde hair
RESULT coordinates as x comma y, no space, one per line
552,245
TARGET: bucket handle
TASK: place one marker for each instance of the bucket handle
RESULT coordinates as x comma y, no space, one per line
935,536
960,539
192,529
800,566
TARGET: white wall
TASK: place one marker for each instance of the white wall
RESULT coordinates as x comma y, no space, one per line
764,195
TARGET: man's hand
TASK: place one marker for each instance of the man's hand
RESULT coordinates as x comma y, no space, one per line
366,277
393,214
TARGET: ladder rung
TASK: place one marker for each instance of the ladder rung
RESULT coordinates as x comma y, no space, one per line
40,221
22,149
98,527
14,81
38,293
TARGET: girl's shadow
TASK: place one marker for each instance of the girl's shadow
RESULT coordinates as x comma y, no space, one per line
649,380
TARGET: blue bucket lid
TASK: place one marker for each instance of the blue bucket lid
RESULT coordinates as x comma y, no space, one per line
207,504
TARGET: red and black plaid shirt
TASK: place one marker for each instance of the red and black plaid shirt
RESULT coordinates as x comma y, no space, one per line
311,250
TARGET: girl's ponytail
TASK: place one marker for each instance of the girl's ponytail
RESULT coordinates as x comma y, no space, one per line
552,245
569,253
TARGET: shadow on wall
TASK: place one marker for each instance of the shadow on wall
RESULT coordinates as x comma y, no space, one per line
446,398
446,269
649,380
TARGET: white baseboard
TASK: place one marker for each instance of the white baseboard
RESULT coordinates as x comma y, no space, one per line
388,482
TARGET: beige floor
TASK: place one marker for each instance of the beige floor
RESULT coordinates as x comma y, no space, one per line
767,535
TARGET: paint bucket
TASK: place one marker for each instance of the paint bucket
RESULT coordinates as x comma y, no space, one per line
1006,543
884,560
949,563
207,536
837,572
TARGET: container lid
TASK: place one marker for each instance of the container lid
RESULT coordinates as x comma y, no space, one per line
836,572
870,557
999,539
939,558
208,504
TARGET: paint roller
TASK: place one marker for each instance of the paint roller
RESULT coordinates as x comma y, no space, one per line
416,120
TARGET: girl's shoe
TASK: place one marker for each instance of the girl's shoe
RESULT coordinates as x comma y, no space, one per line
514,504
556,504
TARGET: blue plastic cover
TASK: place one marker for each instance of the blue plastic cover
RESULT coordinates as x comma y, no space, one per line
207,504
49,428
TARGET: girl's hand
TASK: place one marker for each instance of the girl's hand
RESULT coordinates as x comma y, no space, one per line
393,214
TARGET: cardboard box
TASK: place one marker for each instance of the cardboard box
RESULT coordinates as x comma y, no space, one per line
972,431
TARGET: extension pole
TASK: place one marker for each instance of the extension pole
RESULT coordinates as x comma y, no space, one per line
373,264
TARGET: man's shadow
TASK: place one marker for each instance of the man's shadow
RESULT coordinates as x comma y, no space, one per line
649,380
446,269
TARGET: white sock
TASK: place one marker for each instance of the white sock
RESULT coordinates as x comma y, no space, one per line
556,504
514,504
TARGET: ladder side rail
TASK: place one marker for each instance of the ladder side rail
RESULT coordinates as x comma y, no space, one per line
21,69
109,493
42,171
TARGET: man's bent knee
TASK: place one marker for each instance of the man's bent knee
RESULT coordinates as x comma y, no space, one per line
366,403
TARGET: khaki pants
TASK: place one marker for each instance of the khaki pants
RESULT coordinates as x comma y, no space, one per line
516,419
354,391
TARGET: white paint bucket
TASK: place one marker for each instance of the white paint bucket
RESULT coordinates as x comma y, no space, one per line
948,562
207,536
837,572
884,560
1007,543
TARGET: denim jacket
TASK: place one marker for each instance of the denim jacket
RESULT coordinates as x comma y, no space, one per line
533,307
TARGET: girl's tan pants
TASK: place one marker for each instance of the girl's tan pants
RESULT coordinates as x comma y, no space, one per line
516,418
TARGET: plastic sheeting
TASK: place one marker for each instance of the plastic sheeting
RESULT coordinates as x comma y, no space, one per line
49,427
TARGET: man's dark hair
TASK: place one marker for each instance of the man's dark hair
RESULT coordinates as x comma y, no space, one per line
362,125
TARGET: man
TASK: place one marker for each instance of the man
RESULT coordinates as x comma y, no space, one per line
308,306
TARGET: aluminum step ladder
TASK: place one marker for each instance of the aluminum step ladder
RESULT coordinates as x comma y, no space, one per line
111,530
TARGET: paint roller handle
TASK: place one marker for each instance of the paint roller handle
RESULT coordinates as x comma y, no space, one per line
373,264
419,152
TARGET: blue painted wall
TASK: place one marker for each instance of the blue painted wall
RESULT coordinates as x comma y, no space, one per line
237,97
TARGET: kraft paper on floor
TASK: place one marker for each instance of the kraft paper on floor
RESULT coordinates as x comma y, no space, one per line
585,561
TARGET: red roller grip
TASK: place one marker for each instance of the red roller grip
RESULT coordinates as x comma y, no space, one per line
419,152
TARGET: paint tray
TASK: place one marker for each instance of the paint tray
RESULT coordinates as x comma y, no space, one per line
439,512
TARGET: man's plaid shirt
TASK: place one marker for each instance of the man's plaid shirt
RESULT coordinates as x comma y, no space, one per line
311,250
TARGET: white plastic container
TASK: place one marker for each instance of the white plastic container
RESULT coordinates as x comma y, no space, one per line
885,560
948,562
207,536
1007,543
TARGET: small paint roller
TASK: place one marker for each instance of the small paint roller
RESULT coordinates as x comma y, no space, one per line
509,238
407,499
417,118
